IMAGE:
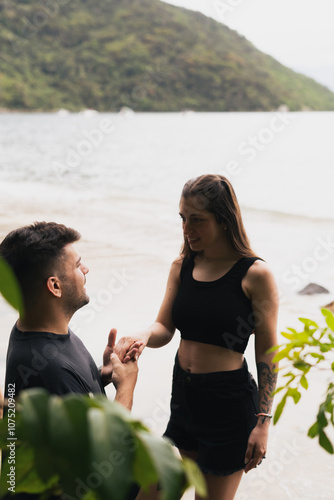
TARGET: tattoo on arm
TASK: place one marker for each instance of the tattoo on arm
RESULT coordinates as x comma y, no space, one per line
267,379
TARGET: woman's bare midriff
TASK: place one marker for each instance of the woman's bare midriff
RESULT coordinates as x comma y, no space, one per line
195,357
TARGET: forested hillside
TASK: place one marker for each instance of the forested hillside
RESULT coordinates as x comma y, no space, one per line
144,54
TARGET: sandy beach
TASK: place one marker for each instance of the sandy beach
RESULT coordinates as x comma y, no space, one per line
128,249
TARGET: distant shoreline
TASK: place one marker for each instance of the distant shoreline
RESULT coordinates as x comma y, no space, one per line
67,111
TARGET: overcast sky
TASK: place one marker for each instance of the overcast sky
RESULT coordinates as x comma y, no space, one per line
298,33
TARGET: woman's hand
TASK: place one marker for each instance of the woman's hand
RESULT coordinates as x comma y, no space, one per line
131,347
257,446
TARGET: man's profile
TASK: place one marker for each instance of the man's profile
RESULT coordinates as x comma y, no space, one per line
42,350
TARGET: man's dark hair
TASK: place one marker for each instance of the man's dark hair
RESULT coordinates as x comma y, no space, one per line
33,251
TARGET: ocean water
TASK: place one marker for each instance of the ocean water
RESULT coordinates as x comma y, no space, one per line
119,178
277,162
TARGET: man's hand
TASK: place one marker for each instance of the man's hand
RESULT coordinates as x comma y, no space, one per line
106,371
124,378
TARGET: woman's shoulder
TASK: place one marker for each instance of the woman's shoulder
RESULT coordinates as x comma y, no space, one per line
259,269
178,261
178,266
260,276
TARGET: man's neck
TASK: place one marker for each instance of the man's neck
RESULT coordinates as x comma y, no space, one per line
58,326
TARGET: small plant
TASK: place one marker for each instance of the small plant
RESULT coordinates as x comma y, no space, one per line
309,350
77,447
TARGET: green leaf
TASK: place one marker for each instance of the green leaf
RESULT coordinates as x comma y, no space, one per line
322,333
279,389
274,348
279,409
313,430
170,471
33,422
3,432
325,348
294,394
90,495
304,382
145,472
309,322
284,353
329,318
301,365
319,357
63,442
9,286
321,418
288,336
112,454
195,477
293,330
332,366
325,442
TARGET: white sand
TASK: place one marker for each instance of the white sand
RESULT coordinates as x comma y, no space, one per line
128,246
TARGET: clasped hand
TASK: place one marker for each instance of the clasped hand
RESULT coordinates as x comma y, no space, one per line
116,368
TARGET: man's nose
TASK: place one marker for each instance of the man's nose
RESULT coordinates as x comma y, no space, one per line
84,269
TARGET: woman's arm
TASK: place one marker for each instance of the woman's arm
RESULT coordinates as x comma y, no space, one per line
162,330
263,292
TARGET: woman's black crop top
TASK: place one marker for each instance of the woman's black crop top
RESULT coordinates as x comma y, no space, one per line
215,312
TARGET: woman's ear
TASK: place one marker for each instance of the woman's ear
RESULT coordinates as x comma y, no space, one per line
54,286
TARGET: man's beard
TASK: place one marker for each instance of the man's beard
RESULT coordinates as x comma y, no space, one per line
73,300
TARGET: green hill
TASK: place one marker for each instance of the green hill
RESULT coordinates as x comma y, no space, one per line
144,54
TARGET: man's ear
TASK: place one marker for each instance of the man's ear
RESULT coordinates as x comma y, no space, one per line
54,286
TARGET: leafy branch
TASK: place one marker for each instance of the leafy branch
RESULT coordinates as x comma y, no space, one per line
90,448
308,350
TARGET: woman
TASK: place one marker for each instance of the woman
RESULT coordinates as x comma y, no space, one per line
218,294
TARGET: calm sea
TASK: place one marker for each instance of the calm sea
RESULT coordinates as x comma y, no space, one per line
281,162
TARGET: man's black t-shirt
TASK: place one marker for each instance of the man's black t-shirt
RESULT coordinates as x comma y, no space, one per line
59,363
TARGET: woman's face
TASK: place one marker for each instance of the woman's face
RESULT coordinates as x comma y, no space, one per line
200,227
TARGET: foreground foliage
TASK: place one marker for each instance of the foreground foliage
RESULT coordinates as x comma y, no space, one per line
89,448
308,350
142,54
9,287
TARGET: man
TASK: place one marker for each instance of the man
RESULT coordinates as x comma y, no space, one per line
42,350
